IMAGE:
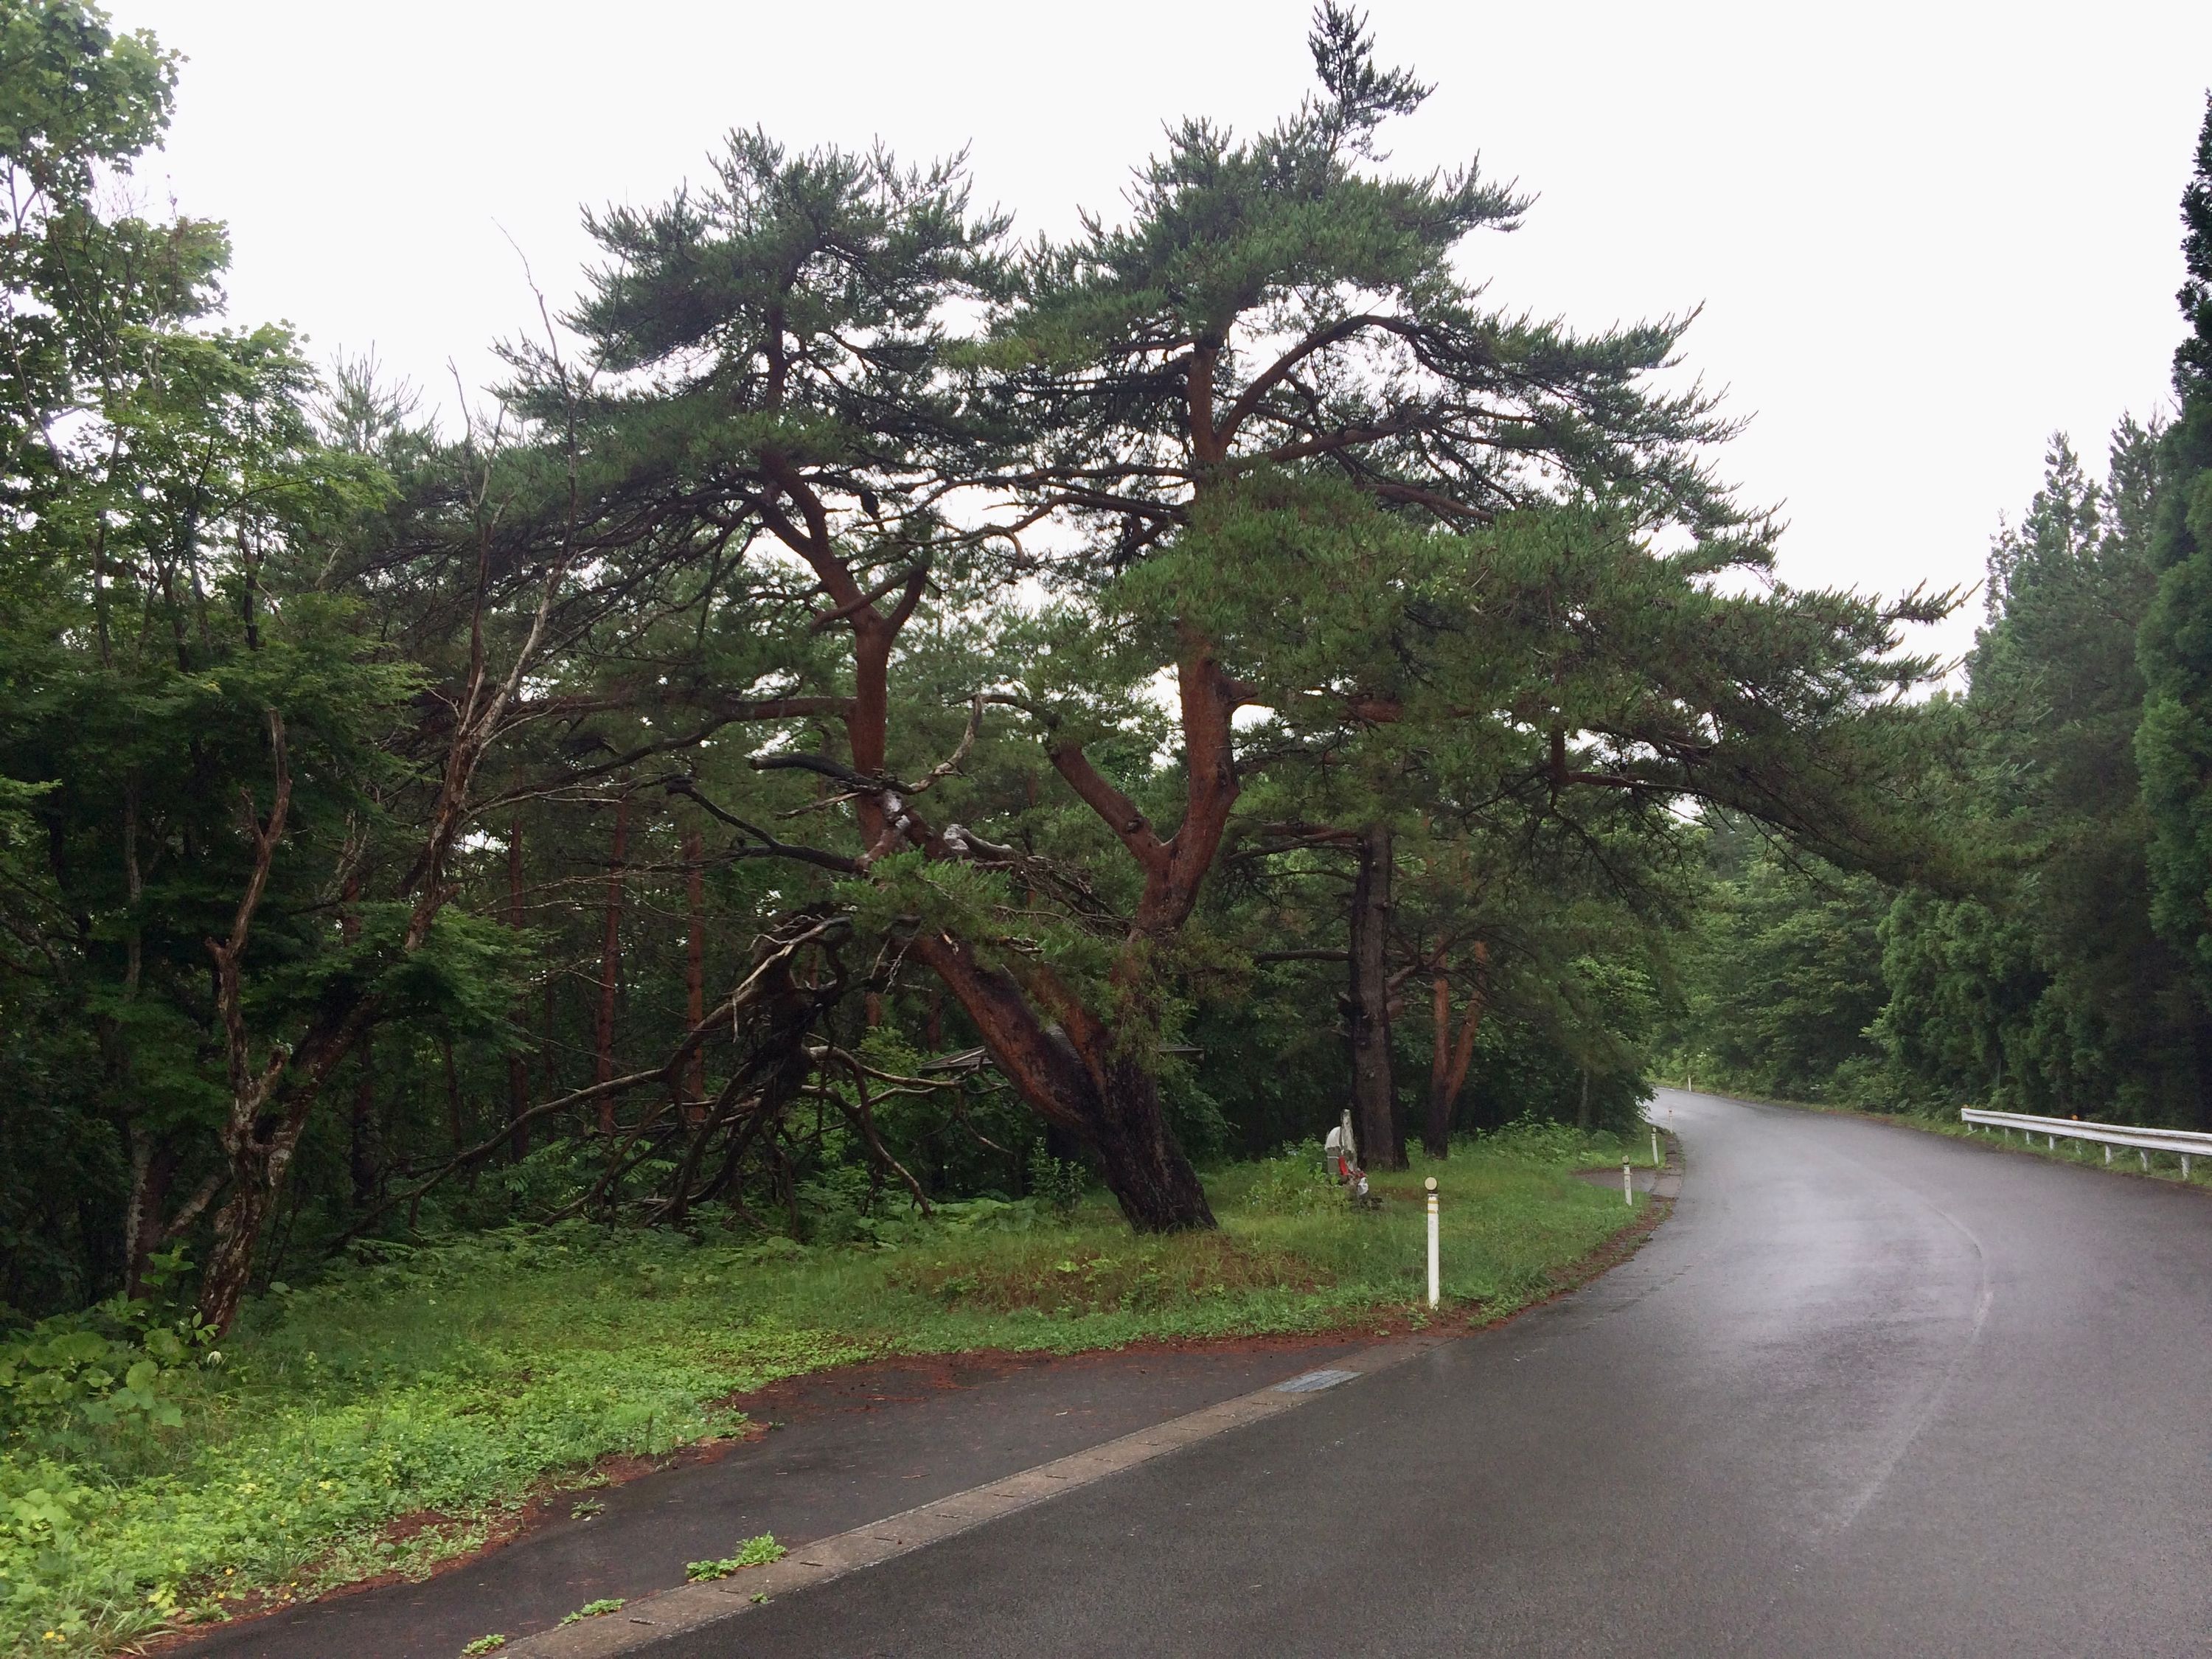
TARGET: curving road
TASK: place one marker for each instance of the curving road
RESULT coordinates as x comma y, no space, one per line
1868,1392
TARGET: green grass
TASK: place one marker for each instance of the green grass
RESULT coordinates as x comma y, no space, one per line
449,1384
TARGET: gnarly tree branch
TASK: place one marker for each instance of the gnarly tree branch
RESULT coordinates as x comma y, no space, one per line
769,847
1121,814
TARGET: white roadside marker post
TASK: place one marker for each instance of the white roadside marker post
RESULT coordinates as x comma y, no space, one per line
1627,1184
1655,1146
2144,1155
1436,1266
2108,1153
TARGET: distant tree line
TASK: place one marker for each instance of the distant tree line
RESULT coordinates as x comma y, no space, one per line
2066,968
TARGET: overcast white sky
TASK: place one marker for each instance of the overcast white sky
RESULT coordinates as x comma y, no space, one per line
1924,236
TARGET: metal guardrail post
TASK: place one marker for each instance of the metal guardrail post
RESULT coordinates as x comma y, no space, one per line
2186,1144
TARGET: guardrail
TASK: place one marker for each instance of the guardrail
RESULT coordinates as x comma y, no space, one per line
2185,1143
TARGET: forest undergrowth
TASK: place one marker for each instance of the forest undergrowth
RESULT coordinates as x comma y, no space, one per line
395,1414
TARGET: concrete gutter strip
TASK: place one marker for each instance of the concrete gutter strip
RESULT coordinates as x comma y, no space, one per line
654,1618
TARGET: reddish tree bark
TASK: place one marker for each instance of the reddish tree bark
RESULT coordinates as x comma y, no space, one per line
1448,1058
1094,1081
1068,1066
1071,1074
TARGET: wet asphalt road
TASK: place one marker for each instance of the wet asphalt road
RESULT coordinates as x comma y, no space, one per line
1868,1392
857,1445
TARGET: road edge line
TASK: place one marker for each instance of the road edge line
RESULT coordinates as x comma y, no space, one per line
676,1611
680,1610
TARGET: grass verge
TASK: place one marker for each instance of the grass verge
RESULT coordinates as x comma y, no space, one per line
405,1411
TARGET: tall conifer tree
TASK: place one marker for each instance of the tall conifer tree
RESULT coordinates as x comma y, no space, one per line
2173,745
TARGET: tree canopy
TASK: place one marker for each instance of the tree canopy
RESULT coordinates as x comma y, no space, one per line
871,698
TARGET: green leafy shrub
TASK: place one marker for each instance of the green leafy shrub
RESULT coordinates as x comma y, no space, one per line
1058,1183
1295,1181
110,1364
1543,1140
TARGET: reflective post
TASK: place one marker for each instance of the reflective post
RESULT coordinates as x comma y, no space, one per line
1435,1270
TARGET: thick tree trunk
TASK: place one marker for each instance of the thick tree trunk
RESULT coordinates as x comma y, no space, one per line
262,1127
152,1167
1110,1105
259,1140
1447,1060
775,1067
237,1227
603,1050
1144,1166
695,970
1374,1098
517,1066
1064,1062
